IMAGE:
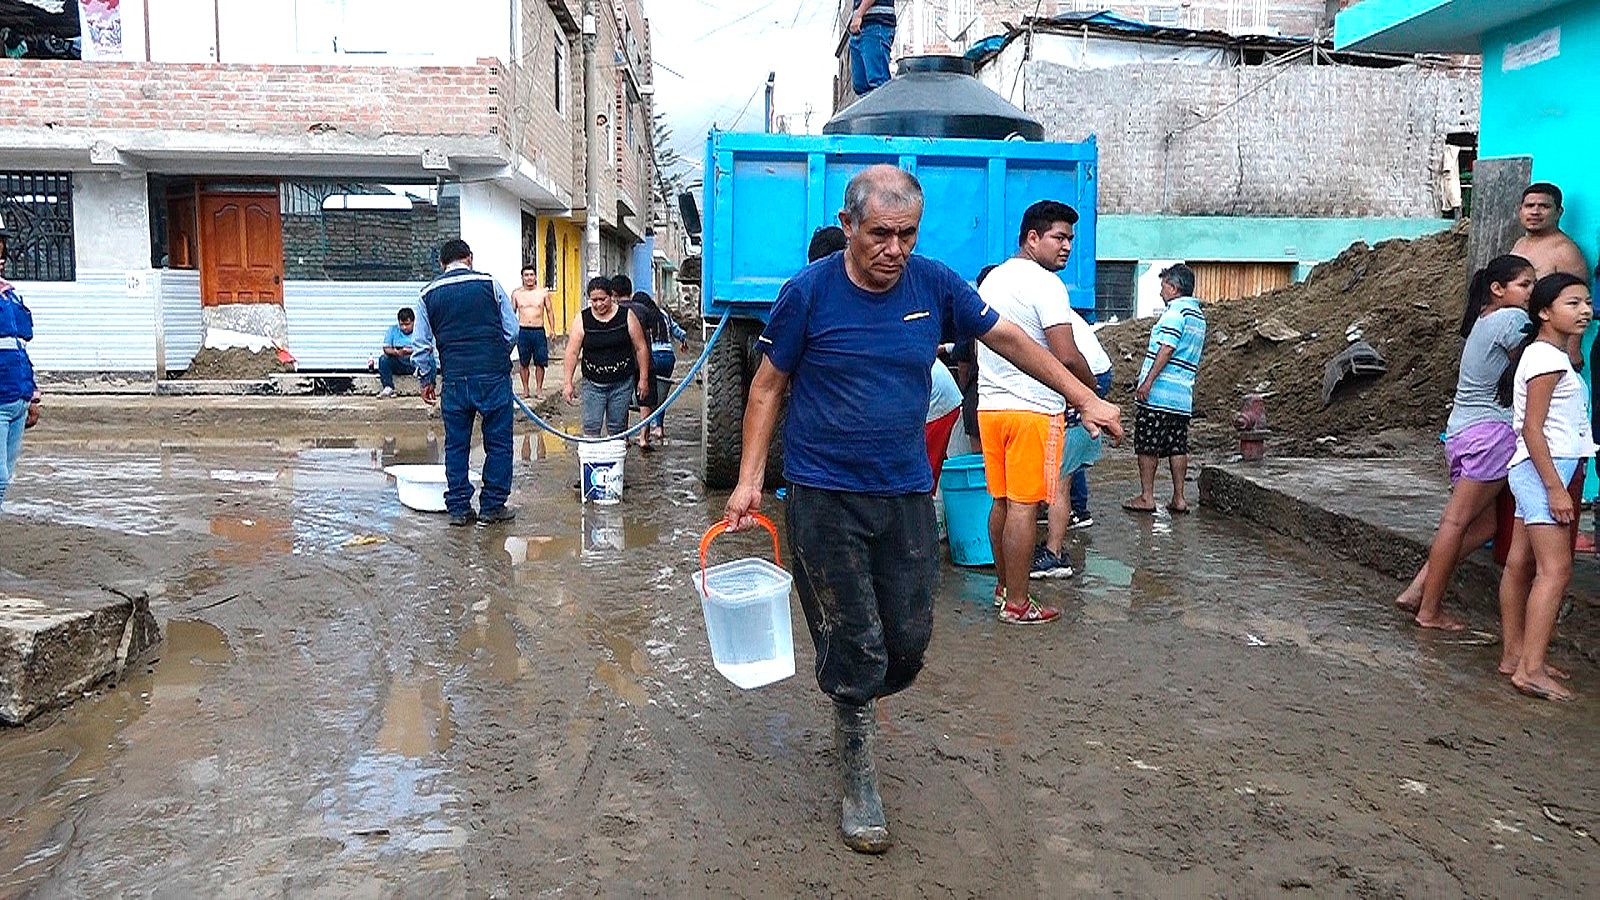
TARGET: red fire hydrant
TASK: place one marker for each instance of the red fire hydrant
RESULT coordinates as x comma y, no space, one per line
1251,423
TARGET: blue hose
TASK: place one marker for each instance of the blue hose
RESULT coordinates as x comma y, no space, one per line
688,378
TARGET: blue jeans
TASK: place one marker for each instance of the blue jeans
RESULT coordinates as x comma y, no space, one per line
606,404
1079,489
13,418
869,57
390,366
487,397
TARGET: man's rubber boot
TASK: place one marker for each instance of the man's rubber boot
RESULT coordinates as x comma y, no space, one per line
862,822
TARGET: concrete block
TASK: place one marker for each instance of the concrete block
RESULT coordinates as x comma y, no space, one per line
1380,513
54,646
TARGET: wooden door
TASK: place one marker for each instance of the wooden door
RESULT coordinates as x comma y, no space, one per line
1233,281
241,248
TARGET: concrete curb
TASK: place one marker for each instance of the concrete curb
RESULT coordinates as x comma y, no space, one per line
1347,525
54,647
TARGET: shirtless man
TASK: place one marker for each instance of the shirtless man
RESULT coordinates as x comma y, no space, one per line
1546,245
534,316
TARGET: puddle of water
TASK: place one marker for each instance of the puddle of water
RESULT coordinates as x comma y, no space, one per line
416,719
55,770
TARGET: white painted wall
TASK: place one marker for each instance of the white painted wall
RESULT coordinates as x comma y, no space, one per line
491,223
341,32
111,220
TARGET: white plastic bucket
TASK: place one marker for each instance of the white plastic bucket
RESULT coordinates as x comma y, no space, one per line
746,608
600,469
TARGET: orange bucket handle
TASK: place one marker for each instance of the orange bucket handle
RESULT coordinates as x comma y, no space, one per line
722,526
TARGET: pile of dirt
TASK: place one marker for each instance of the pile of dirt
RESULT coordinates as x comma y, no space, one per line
234,364
1405,297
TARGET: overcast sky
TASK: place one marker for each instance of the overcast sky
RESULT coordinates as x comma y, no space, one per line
712,58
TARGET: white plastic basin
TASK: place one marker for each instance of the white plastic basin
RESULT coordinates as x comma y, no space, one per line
421,487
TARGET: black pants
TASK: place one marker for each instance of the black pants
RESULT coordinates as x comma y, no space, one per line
866,568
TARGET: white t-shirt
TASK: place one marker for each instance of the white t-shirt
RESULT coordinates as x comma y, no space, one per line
1089,345
1566,427
1025,293
946,394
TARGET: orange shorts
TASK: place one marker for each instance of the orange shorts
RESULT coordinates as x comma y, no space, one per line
1021,453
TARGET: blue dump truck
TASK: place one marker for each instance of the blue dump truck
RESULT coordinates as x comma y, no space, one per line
980,161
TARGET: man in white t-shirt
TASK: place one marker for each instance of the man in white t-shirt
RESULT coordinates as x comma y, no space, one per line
1070,506
1019,419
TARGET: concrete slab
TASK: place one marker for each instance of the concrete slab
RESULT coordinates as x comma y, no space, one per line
1381,513
54,646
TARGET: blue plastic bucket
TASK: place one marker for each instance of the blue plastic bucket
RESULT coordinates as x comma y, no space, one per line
966,510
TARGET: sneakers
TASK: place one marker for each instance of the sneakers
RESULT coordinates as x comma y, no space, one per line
1049,565
386,393
491,516
1030,614
1080,520
999,596
459,520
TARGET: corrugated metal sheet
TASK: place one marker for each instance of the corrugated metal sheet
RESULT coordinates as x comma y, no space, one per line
341,324
1231,281
102,322
180,315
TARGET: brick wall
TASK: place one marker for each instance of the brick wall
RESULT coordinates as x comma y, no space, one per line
550,138
1283,141
254,99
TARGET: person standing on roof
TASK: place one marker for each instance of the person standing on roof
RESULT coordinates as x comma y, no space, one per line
871,39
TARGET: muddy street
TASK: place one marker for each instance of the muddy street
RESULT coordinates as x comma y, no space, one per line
354,699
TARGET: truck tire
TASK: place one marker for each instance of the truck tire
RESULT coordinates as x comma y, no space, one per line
728,371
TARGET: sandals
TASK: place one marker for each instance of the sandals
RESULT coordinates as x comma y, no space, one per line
1032,614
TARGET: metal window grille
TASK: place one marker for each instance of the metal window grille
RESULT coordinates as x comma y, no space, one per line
37,209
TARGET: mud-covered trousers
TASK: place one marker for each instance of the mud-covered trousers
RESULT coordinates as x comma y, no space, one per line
866,568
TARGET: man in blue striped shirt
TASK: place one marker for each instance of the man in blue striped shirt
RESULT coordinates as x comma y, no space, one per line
1165,391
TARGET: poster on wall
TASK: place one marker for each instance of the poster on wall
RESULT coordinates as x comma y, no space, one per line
102,29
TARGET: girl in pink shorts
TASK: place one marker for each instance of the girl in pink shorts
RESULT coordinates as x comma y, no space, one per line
1479,441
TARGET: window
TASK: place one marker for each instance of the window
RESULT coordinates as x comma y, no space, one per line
1164,14
560,56
37,209
347,231
1113,291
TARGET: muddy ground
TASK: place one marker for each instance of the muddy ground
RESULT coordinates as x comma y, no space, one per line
1404,296
354,699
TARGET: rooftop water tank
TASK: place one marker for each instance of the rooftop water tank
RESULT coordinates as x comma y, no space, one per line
935,96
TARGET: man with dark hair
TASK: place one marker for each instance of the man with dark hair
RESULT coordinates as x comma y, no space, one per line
1546,245
1165,391
871,39
534,316
465,329
859,511
1021,419
825,241
397,350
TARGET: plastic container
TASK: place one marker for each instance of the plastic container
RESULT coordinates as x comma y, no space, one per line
966,510
746,607
600,468
420,487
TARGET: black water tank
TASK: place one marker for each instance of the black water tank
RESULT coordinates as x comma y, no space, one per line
935,96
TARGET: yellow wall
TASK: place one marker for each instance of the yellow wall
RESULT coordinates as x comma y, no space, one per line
567,292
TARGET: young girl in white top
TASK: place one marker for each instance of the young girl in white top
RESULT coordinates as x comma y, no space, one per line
1550,413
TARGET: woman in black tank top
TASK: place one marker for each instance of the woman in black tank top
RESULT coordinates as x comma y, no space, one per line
608,347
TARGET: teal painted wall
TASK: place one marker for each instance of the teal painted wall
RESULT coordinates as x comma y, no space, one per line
1551,112
1246,238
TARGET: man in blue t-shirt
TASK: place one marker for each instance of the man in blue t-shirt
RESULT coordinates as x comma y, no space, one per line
852,339
1165,391
396,358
